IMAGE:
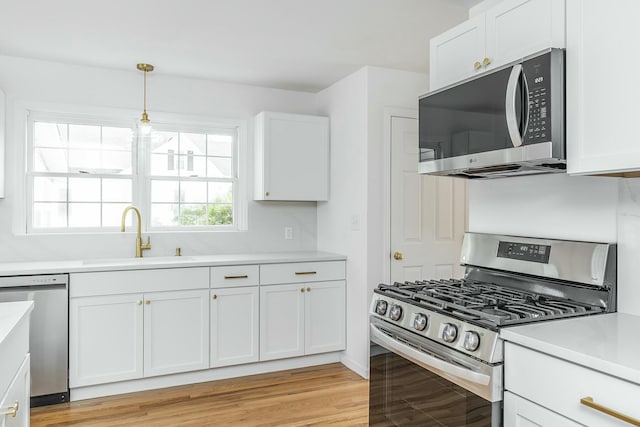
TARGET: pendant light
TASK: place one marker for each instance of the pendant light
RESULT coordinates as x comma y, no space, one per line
145,123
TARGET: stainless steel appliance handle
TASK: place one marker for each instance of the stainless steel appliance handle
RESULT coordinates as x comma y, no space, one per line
510,106
424,359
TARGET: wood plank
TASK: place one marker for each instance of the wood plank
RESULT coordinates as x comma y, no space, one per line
327,395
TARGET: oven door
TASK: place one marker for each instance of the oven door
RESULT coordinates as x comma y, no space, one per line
416,382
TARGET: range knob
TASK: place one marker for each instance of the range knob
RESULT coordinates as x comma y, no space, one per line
420,322
381,307
471,341
395,312
449,332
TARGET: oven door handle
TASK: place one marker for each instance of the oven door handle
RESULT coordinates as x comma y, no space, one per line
426,360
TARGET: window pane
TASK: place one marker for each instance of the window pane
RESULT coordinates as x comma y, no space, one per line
164,214
164,191
116,190
112,215
84,161
117,138
220,192
118,162
191,165
219,145
82,135
84,189
219,167
193,192
49,189
162,142
50,160
48,215
84,214
164,164
193,214
49,135
193,142
220,214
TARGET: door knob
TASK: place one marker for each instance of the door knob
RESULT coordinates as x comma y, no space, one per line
398,255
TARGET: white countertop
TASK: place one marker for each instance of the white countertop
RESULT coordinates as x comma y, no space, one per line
12,313
607,342
113,264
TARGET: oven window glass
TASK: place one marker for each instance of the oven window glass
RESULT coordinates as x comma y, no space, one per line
402,393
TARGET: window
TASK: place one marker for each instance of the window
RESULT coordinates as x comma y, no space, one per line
82,173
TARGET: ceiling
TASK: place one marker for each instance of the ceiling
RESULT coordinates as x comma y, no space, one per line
291,44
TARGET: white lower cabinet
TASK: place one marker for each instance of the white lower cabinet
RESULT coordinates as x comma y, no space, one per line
234,325
176,332
519,412
301,318
14,405
123,337
105,339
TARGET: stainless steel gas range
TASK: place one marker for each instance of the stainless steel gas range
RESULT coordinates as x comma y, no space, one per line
436,355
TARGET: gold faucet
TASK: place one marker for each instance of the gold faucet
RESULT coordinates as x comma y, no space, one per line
139,245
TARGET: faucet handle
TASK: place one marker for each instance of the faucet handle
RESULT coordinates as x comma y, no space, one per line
146,245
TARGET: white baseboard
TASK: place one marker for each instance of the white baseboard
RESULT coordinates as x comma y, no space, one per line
89,392
355,366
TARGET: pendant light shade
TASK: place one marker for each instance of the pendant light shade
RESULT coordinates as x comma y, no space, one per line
144,126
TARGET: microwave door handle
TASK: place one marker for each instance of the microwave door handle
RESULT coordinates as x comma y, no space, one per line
510,106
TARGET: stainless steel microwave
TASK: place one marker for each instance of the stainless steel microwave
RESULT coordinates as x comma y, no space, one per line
507,122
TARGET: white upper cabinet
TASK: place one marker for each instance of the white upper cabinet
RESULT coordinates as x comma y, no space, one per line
291,157
506,32
602,94
2,136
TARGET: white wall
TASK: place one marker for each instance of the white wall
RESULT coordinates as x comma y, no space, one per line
32,81
628,231
352,222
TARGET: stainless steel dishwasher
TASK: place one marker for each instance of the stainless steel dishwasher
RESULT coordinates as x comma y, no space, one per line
48,339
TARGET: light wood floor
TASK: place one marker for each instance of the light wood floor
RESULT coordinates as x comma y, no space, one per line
328,395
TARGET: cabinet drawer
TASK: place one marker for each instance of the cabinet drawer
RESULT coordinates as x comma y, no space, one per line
559,385
297,272
136,281
234,275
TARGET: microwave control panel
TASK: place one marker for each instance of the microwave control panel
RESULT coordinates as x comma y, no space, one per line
537,72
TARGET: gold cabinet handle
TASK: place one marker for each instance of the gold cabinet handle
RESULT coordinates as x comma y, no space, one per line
139,302
477,65
308,289
12,410
214,296
236,277
588,401
302,273
147,302
486,62
399,256
301,289
266,194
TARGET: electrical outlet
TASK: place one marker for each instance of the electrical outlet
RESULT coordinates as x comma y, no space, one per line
288,233
355,222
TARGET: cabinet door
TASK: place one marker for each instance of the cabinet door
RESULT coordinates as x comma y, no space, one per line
518,28
324,317
519,412
281,321
105,339
452,54
14,407
234,326
602,93
176,332
292,157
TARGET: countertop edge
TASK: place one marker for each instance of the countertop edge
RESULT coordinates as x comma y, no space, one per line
520,337
84,266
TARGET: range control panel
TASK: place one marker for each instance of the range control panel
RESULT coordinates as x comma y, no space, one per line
524,252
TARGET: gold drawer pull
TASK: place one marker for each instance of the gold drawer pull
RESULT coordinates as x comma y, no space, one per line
588,401
236,277
301,273
12,410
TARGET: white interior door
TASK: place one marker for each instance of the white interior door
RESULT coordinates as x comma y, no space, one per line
428,213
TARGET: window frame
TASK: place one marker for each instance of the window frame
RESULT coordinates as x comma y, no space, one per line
141,180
